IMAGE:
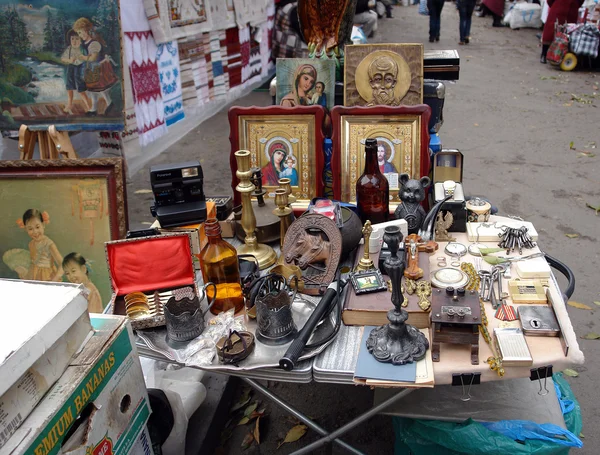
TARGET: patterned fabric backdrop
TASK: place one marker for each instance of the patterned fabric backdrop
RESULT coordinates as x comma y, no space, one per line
169,74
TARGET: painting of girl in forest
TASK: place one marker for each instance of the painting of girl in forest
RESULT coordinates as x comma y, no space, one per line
60,64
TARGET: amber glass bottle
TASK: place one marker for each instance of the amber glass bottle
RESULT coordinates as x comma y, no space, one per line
220,265
372,188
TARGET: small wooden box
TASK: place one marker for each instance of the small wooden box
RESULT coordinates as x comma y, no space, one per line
149,264
448,165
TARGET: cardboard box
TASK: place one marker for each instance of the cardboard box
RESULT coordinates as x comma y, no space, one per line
195,230
102,391
37,342
448,165
228,227
148,264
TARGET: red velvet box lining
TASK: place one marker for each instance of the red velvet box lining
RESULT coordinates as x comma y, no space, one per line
149,264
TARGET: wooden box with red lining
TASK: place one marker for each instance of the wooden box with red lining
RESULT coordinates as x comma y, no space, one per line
149,264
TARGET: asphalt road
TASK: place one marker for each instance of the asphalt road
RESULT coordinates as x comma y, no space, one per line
529,134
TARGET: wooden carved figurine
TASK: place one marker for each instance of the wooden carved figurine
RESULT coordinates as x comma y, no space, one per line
412,193
414,245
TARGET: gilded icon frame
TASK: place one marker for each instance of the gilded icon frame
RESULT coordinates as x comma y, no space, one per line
260,130
353,125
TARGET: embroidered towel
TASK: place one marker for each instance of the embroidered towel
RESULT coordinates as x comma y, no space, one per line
234,57
169,74
183,18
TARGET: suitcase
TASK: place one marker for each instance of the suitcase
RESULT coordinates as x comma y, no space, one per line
434,93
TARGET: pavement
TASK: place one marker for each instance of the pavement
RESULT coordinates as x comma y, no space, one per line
529,134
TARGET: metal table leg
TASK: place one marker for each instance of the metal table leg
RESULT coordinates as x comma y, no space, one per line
366,416
260,388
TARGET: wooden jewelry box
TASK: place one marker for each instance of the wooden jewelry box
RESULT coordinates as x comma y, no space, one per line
448,167
150,265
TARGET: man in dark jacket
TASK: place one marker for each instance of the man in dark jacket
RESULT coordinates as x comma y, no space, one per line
365,18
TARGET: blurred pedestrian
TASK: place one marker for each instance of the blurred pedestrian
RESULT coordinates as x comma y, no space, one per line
560,11
435,14
495,8
365,17
465,12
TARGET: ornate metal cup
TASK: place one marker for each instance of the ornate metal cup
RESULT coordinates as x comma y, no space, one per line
184,317
274,311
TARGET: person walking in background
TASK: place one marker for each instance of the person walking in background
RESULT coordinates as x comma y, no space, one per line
435,13
365,18
465,12
561,11
495,8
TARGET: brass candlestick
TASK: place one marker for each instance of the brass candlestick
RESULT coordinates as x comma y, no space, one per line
283,212
286,184
264,254
365,262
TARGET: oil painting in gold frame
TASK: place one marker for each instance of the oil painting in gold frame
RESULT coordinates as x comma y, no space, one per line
400,131
284,142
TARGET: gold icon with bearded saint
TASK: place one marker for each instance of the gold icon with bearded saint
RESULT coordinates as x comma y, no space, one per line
388,75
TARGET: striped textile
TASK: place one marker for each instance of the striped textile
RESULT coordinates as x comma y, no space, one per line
187,51
244,34
234,57
224,57
506,313
218,76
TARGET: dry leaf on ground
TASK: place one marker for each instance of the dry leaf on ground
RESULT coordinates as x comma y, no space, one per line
250,409
572,236
571,373
247,442
294,434
243,401
143,191
581,306
244,421
591,336
596,303
597,208
257,431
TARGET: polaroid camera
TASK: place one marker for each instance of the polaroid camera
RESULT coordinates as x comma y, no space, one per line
178,194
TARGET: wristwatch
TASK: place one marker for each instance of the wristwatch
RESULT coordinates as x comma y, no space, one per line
449,187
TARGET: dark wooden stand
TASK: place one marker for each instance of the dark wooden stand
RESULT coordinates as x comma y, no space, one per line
454,328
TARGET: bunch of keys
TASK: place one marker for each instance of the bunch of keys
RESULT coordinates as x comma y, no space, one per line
515,238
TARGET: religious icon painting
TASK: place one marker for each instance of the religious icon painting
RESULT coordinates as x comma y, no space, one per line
402,145
305,82
60,64
283,142
383,74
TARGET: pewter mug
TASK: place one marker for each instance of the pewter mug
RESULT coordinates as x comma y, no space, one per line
184,317
274,311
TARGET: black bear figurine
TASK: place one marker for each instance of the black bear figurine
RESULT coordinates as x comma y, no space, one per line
412,193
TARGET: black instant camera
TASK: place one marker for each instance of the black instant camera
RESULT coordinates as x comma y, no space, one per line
178,194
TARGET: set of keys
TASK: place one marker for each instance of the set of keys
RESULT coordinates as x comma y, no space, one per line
504,311
515,238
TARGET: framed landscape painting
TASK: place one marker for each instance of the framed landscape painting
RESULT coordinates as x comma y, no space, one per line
56,219
284,142
60,64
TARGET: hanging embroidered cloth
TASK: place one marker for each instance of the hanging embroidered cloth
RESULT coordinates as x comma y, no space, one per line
234,57
140,52
222,13
209,67
250,12
200,71
187,54
224,58
218,72
244,34
180,18
169,74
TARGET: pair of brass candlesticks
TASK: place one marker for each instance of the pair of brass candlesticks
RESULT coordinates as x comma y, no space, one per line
264,254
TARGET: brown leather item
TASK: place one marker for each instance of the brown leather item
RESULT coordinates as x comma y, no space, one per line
235,347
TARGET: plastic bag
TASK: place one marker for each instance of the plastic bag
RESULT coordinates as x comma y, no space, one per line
358,36
525,430
524,15
430,437
423,10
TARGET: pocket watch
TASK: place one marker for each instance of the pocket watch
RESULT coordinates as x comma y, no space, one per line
456,250
443,278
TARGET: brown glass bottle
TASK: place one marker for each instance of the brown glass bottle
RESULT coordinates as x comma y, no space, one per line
372,188
220,266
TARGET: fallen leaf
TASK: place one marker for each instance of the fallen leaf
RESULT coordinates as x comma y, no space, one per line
143,191
596,303
146,223
581,306
256,431
226,435
591,336
294,434
250,409
475,124
244,421
597,208
571,373
587,154
243,401
581,435
256,414
572,236
571,145
247,442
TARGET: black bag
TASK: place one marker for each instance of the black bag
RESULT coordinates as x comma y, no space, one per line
434,93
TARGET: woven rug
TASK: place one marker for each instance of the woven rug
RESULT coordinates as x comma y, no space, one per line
218,72
169,74
140,52
187,55
244,34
